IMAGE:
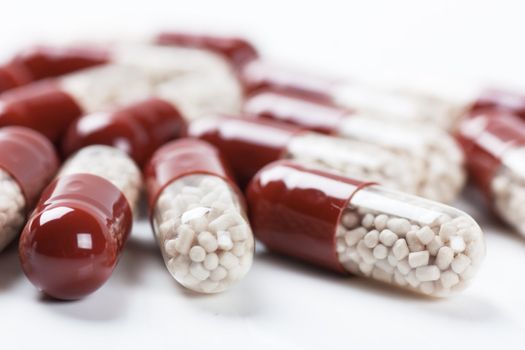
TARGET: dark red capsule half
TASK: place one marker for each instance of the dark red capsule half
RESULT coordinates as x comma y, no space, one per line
501,100
484,138
138,129
237,50
295,211
40,62
29,158
72,241
247,144
291,109
40,106
260,75
182,158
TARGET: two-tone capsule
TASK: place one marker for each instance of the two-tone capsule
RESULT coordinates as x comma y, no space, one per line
432,150
27,164
197,214
361,228
494,146
74,237
250,144
137,129
238,51
47,61
41,62
196,82
357,95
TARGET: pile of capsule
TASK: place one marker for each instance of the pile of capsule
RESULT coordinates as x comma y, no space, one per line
227,148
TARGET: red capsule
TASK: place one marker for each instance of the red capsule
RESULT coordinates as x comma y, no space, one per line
29,158
41,106
290,109
138,129
74,237
502,100
485,137
259,75
237,50
295,211
247,144
42,62
181,158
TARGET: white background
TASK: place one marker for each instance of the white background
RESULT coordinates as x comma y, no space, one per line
283,304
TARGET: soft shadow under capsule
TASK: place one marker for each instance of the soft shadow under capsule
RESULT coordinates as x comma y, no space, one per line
362,228
198,216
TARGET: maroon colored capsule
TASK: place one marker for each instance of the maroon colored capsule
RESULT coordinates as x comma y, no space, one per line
29,158
259,75
73,240
182,158
42,62
502,100
295,211
247,144
41,106
138,129
237,50
290,109
485,137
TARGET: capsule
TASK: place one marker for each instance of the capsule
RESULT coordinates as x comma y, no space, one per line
250,144
432,150
500,100
198,218
238,51
27,164
137,129
72,241
356,95
356,227
494,146
40,62
196,82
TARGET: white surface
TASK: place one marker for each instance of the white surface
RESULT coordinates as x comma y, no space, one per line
283,304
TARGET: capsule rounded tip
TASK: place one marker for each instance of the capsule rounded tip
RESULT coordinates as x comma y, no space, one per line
67,252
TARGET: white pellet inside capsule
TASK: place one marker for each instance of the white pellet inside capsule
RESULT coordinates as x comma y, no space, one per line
508,189
205,239
437,249
109,163
356,159
12,209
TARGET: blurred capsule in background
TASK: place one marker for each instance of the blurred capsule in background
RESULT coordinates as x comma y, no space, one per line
73,239
48,61
357,95
198,216
137,129
196,81
494,146
250,144
237,51
357,227
40,62
27,164
433,151
500,100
